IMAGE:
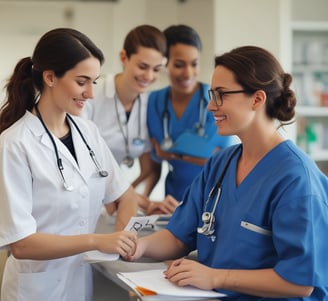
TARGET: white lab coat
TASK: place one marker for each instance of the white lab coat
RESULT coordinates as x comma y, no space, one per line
33,200
102,111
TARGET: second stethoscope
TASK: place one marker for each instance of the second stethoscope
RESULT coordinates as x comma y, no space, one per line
208,217
167,142
138,141
101,172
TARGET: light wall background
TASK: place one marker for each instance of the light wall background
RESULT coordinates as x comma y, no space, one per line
222,25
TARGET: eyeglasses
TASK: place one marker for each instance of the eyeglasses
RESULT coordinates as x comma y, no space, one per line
217,96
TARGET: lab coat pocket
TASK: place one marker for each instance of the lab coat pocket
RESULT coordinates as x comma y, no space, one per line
48,285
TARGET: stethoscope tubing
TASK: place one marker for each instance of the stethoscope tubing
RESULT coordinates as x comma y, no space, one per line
126,136
101,172
201,120
217,188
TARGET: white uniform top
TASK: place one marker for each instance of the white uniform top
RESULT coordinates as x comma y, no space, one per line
33,200
102,111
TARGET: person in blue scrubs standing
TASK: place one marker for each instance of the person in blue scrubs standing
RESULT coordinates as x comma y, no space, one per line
177,118
257,214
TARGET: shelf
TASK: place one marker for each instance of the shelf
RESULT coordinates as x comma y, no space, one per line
319,155
310,68
309,26
312,111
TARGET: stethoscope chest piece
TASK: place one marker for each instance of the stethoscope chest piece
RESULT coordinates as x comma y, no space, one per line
128,161
138,142
166,144
208,220
103,173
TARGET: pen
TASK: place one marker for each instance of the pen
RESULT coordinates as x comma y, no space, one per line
145,291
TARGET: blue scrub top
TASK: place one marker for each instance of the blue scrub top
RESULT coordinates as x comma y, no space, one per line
181,173
276,218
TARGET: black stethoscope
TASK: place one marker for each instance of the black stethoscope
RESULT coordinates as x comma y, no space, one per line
167,142
138,141
101,172
208,218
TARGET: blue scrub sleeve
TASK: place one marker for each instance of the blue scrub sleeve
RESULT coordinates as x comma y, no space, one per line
299,240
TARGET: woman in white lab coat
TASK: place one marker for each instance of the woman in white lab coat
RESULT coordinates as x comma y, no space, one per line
56,173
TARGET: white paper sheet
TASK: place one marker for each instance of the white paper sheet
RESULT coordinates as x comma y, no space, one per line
96,256
154,280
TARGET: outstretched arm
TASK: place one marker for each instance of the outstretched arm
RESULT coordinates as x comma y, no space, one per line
42,246
161,245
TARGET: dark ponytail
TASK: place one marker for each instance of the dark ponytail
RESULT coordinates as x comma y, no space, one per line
20,94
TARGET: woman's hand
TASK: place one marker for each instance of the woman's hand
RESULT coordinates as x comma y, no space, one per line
163,154
138,252
167,206
184,272
121,242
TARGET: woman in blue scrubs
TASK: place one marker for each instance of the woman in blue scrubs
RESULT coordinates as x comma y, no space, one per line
257,214
182,132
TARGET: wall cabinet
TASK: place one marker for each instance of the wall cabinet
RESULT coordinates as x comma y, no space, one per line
310,80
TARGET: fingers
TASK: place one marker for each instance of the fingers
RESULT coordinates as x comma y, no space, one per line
129,244
122,242
171,202
174,272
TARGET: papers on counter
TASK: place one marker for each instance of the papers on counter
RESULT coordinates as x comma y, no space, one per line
96,256
150,283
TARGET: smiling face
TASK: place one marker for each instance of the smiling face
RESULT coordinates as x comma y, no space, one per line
142,68
183,67
70,92
236,113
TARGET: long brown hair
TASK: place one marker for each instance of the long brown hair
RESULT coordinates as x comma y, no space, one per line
58,50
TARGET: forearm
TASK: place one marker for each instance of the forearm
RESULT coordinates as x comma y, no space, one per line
190,159
40,246
150,183
163,245
127,207
264,283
